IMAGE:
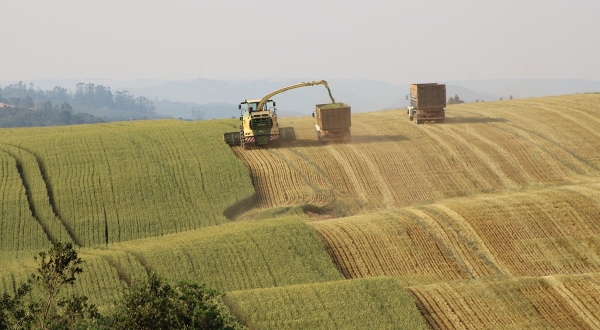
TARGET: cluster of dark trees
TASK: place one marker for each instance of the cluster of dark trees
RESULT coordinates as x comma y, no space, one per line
11,116
455,100
510,98
92,95
99,96
26,106
44,303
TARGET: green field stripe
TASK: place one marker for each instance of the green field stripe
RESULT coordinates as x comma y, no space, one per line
99,281
373,303
240,255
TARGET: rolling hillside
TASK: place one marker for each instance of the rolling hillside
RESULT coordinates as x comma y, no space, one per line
491,220
485,148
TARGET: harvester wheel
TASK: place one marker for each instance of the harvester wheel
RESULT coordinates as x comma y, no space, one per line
275,144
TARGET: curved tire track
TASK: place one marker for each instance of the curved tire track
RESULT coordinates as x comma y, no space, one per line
39,195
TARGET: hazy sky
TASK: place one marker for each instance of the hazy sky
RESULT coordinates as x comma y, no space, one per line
394,41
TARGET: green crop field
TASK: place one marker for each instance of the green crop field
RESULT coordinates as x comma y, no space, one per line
491,220
115,182
373,303
260,254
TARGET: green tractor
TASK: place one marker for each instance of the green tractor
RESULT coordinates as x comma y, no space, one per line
259,126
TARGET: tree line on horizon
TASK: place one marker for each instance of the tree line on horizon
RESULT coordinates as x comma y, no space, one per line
90,94
12,116
26,106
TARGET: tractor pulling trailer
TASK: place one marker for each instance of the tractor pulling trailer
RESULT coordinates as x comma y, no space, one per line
426,102
259,125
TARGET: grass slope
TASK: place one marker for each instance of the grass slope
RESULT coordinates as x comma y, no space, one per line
232,256
120,181
374,303
242,255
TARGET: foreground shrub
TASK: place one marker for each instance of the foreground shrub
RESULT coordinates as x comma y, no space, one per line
154,304
160,305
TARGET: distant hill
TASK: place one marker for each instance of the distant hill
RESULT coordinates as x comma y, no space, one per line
363,95
521,88
219,98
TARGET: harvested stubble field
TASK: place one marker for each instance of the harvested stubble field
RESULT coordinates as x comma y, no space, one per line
548,302
491,220
485,148
534,233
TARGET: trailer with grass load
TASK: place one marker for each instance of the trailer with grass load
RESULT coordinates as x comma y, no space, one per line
426,102
333,121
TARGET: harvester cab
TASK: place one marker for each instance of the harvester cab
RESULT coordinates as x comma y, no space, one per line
259,125
252,106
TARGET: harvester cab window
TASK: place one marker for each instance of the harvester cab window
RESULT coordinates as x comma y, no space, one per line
251,107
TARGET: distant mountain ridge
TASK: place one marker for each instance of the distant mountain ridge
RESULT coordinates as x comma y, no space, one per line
363,95
522,88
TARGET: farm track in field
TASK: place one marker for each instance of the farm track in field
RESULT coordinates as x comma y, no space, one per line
39,195
28,194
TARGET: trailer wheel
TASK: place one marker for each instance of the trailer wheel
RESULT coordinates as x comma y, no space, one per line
319,137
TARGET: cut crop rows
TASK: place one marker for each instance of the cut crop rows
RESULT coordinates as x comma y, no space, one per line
394,163
537,233
552,302
390,244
